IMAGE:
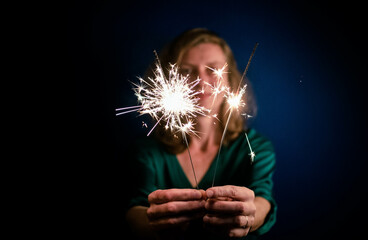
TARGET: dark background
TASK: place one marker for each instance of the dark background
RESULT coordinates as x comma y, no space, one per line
309,77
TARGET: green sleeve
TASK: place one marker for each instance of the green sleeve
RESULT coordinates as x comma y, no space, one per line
261,180
144,174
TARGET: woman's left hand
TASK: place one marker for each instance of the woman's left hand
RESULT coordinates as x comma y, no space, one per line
231,210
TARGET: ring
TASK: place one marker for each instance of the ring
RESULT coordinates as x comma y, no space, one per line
246,225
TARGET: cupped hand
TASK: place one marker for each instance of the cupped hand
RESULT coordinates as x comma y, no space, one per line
230,210
175,207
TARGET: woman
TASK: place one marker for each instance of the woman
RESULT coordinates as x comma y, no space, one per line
165,203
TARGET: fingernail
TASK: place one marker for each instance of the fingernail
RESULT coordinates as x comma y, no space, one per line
209,193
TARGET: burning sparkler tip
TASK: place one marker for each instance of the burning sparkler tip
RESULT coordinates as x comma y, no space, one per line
252,156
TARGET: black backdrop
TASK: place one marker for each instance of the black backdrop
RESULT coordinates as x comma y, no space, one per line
308,74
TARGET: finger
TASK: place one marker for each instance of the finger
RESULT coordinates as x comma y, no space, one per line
174,208
233,221
163,196
163,223
230,207
234,192
227,231
239,232
203,192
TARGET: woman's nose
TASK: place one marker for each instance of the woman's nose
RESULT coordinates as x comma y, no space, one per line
206,76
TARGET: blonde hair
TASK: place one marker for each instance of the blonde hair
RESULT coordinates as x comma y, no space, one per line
173,53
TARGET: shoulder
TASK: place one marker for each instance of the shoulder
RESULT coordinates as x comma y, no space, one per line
265,158
146,144
260,145
148,148
258,141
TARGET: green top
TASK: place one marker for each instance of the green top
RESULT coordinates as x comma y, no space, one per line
158,169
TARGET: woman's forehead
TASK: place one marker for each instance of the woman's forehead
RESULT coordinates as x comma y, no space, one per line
204,53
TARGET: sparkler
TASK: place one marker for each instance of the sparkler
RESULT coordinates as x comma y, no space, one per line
235,101
171,100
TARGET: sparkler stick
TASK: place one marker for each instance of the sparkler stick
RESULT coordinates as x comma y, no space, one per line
191,162
169,99
250,59
235,101
218,154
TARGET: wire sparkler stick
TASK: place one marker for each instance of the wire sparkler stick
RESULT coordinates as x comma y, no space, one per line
190,158
172,100
235,101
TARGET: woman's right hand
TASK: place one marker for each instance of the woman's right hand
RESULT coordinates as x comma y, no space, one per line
175,207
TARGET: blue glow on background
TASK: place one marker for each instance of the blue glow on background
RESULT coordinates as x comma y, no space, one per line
305,74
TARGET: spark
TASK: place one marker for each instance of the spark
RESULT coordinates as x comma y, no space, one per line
219,72
217,87
246,115
235,100
171,100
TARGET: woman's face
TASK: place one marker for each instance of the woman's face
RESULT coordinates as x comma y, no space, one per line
197,62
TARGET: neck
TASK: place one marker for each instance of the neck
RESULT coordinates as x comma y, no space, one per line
208,132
